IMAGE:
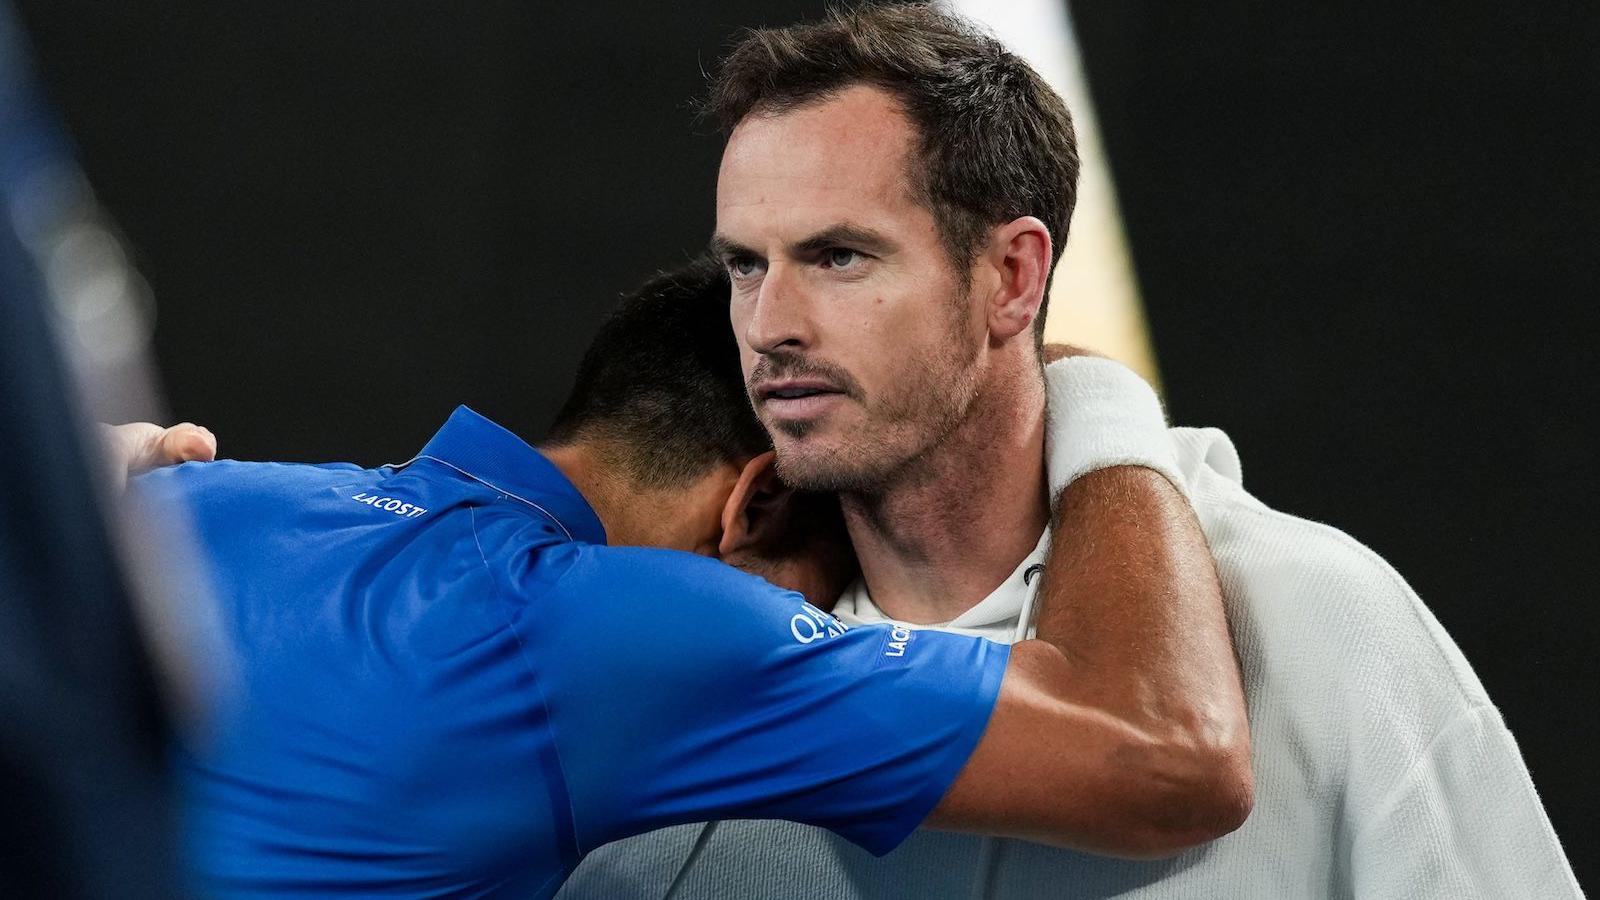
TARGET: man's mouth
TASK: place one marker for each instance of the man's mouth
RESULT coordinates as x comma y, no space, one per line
798,398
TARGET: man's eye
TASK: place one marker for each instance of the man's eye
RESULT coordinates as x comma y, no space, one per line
841,258
742,266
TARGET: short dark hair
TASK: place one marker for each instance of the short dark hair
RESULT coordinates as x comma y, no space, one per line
996,142
661,383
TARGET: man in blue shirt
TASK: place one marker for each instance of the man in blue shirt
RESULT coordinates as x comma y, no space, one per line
454,680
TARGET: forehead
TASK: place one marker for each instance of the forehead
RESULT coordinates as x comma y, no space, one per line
841,159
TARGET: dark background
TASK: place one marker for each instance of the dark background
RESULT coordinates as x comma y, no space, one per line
1365,239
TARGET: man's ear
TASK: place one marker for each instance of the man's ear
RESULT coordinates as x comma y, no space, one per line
755,507
1020,252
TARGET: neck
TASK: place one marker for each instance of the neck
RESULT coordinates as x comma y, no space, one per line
953,525
585,467
633,514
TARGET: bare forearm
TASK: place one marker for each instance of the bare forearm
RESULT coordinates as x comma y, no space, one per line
1122,728
1131,611
1131,598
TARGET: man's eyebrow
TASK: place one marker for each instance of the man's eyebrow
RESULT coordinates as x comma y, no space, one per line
844,233
725,248
853,236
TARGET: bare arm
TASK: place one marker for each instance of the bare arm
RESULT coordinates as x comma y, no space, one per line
1121,729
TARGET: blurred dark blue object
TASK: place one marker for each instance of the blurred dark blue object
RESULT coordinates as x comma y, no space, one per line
84,810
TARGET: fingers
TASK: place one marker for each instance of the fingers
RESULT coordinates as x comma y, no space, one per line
182,443
139,446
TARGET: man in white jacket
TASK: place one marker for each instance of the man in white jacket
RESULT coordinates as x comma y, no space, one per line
894,194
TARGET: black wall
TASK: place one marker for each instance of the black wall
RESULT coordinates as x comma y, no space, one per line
1358,236
355,216
1368,250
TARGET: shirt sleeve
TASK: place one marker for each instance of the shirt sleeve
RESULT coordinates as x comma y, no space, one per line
1465,822
682,690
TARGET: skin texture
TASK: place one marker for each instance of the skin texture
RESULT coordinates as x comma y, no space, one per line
688,519
840,281
810,304
1132,679
740,513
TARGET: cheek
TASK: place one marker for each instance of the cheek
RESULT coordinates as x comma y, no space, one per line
747,356
748,361
903,340
875,337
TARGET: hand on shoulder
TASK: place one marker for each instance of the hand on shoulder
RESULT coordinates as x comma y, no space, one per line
140,446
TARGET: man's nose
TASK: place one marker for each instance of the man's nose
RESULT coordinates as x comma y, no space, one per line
782,315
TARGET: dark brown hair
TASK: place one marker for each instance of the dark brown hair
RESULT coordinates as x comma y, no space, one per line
996,142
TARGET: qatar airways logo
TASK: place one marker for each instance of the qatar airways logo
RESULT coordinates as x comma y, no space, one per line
390,504
812,624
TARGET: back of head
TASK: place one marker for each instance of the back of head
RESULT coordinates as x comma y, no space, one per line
996,143
660,387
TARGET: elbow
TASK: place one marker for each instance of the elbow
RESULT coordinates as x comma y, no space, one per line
1200,791
1215,804
1234,797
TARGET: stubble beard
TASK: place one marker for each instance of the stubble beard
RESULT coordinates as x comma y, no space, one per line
936,394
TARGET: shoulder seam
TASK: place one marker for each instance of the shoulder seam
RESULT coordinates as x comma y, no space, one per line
1391,797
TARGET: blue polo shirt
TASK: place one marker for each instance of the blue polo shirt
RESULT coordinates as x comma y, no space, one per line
447,684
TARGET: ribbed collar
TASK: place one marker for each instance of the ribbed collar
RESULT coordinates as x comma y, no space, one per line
488,453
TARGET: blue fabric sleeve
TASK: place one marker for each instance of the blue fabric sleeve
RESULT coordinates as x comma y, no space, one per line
682,690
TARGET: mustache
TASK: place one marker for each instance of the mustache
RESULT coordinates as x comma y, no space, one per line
785,364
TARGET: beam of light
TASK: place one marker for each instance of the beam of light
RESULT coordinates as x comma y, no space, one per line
1094,301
